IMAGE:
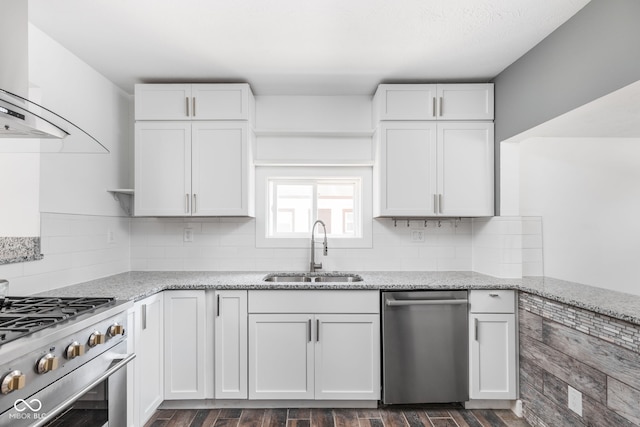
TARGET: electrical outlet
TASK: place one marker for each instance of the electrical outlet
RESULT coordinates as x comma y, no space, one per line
111,237
575,400
188,235
417,235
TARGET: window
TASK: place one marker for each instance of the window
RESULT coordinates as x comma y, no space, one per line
296,203
290,199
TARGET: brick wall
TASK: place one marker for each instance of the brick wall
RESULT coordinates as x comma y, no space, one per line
563,346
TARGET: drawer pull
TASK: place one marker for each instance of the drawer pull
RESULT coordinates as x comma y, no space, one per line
494,294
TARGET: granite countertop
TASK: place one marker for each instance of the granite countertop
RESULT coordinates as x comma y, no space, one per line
137,285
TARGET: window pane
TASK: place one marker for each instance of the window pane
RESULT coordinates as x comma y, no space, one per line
333,200
294,204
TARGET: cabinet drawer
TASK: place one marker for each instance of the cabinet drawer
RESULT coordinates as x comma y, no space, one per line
314,301
492,301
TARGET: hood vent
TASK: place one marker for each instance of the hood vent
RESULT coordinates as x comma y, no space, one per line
21,119
18,121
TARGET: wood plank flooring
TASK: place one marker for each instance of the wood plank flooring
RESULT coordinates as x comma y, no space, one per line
384,417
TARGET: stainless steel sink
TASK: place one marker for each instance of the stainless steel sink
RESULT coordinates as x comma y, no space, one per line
313,277
287,279
341,278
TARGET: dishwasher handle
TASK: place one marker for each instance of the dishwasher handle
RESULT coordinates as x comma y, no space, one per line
394,302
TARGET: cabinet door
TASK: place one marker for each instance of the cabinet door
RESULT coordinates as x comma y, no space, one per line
162,101
405,102
407,170
220,169
347,357
465,169
149,361
492,364
465,101
185,335
162,169
231,345
220,101
280,356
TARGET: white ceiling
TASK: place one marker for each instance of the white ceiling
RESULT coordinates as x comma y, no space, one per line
300,46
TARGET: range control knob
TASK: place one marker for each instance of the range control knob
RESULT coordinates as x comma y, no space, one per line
14,380
47,363
96,338
74,349
115,329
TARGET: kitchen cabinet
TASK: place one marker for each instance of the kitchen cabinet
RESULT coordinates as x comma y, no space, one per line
492,345
193,169
230,341
185,335
322,345
469,101
193,102
145,374
434,169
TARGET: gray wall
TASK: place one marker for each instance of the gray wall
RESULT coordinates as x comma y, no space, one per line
594,53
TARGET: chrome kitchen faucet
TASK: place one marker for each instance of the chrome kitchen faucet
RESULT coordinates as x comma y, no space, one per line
312,265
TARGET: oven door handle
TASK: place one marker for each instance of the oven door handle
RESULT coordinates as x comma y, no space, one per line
123,360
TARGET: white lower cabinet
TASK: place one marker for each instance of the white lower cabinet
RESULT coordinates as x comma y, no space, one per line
185,335
317,355
230,345
493,359
145,377
280,356
347,357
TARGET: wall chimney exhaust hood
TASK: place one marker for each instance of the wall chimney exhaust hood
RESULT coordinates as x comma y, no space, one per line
26,126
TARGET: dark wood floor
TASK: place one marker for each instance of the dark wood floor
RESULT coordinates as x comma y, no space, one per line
386,417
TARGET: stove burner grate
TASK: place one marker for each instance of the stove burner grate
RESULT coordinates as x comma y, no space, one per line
20,316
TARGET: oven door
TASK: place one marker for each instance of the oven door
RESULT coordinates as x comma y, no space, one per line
94,394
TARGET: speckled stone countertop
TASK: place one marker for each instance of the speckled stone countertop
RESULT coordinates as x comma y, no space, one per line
136,285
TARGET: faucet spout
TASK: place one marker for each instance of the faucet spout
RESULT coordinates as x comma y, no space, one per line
313,266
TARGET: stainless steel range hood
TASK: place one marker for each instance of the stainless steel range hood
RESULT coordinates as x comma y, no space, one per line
20,118
18,121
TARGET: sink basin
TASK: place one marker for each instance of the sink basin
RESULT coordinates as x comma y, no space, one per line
287,279
341,278
313,277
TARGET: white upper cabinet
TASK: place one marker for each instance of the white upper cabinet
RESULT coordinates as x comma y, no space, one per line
193,169
434,169
469,101
232,101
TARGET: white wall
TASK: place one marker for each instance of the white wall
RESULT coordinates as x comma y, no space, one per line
77,183
587,192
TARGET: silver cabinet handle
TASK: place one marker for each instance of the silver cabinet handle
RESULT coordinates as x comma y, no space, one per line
186,102
395,302
440,203
194,106
144,316
475,328
218,306
434,107
435,203
317,330
309,332
440,107
493,294
186,203
194,204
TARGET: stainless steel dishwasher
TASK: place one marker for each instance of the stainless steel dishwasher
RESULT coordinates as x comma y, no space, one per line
425,347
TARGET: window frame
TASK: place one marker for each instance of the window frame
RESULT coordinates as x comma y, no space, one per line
266,173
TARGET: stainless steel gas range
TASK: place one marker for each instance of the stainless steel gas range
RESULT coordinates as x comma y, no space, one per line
61,361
